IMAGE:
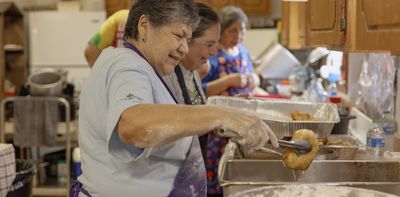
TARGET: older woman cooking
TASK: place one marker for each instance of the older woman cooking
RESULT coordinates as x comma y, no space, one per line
134,139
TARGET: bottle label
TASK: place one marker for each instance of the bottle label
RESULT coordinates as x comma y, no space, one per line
389,130
375,142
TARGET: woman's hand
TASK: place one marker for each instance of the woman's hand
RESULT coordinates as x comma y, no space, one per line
252,131
237,80
252,80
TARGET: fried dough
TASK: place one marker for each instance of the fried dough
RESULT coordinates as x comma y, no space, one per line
298,161
296,115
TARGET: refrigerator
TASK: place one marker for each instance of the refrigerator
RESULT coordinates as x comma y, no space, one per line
57,39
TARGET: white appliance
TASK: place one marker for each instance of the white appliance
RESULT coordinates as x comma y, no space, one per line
57,39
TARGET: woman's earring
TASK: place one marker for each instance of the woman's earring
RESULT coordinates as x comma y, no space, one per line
144,39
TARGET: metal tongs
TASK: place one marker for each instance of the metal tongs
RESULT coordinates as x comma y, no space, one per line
300,146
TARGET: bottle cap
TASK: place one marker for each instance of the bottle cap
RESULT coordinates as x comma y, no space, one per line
76,155
335,99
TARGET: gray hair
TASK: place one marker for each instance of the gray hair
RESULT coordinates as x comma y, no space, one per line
161,12
231,14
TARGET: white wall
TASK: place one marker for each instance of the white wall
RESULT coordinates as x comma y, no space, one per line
256,40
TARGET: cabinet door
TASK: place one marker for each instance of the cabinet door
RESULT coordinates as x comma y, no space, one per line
293,25
217,5
115,5
324,20
373,25
255,6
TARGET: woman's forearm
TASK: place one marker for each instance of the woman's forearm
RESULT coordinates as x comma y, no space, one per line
154,125
217,86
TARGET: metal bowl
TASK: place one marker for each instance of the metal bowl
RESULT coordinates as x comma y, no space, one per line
305,190
47,82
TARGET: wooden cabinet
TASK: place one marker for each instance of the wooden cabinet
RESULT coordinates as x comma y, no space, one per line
373,25
325,25
250,7
354,25
254,6
293,29
217,5
13,61
115,5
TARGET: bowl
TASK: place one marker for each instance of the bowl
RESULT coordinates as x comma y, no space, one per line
47,82
310,191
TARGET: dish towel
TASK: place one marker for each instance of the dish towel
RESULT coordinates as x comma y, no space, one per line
36,121
7,168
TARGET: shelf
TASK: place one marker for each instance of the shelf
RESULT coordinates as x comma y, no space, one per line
49,191
13,48
50,188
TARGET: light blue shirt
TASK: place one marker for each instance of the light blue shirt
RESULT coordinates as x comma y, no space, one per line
120,79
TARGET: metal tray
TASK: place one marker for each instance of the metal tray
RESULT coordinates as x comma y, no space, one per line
276,113
236,174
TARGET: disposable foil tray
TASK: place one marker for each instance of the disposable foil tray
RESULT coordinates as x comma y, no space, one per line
276,113
345,146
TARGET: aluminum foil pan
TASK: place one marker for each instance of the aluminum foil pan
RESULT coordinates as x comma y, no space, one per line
345,146
277,114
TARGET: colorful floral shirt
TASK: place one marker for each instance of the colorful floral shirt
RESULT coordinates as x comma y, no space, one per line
223,64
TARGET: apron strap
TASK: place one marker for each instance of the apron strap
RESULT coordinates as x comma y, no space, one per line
181,81
77,188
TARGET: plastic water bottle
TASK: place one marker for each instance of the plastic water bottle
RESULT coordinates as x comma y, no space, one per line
375,139
332,90
389,126
61,172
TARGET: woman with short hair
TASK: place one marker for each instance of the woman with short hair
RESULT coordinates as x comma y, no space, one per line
134,138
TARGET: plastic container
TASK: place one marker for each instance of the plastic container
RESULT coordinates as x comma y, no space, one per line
61,172
76,163
389,127
22,184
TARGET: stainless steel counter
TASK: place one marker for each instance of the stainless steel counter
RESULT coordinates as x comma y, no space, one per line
381,174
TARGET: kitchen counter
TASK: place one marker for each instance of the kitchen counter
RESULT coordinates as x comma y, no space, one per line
377,173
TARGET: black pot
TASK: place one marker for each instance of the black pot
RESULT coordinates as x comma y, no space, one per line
343,126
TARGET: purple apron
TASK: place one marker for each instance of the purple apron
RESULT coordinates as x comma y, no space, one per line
191,178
